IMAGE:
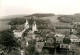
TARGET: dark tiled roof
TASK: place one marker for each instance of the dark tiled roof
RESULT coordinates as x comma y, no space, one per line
62,31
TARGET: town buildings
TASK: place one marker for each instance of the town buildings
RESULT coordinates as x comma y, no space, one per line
48,40
18,33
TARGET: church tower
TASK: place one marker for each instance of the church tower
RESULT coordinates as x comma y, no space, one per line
26,24
34,27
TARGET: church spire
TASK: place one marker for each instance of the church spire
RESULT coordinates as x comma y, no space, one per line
34,27
26,24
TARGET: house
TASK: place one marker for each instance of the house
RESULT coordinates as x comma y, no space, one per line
76,23
74,38
74,31
18,33
50,41
59,39
64,47
73,47
39,46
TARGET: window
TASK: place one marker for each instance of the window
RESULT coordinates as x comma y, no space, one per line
62,46
57,41
51,40
72,49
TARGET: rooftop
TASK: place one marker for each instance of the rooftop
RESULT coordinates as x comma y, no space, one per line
73,37
62,31
17,30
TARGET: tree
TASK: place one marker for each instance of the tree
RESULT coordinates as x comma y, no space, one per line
8,41
44,51
17,21
78,29
79,44
31,20
66,40
31,47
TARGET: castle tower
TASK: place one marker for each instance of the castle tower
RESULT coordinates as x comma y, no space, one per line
34,27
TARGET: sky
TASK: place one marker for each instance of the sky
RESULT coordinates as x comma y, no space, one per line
15,7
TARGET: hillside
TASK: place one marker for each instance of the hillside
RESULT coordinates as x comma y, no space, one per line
52,18
8,18
69,18
38,15
4,21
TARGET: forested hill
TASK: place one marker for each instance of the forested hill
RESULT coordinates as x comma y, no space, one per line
69,18
41,15
8,18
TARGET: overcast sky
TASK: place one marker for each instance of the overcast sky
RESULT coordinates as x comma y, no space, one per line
15,7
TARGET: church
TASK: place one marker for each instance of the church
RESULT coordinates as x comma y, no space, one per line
18,33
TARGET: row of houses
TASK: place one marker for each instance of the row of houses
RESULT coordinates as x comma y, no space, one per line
57,41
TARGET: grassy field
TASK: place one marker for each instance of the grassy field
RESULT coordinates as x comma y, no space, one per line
4,25
53,19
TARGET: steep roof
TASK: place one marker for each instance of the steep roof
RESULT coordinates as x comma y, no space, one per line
17,30
62,31
73,37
